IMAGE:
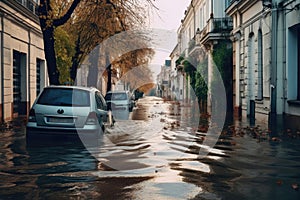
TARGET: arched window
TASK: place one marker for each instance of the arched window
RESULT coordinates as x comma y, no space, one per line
250,82
259,95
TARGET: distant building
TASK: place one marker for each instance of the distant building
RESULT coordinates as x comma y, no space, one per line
204,26
163,81
23,66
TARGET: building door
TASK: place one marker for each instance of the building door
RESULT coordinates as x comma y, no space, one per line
16,82
20,98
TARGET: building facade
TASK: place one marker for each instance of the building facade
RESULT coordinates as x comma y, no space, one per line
204,27
23,66
163,81
266,41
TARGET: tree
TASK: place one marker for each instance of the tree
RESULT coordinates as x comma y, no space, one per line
88,23
48,22
222,56
98,21
64,48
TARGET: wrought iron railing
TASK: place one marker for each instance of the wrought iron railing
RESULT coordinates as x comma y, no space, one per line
222,24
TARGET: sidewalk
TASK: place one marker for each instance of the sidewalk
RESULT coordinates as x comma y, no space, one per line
14,124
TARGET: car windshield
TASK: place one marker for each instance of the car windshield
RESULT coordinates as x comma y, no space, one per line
64,97
116,96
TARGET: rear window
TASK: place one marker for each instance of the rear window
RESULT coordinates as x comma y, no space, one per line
64,97
116,96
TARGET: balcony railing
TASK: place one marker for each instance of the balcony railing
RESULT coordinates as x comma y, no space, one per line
221,24
31,5
214,25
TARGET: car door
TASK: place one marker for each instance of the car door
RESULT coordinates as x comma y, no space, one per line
101,107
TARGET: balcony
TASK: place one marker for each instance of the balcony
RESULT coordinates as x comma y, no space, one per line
216,29
220,25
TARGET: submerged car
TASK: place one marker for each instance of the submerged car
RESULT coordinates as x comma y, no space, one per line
121,103
119,100
68,110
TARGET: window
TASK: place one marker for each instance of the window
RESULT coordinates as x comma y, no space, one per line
298,67
250,67
201,19
116,96
64,97
227,3
99,101
260,67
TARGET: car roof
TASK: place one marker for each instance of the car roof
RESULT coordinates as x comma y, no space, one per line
118,91
73,87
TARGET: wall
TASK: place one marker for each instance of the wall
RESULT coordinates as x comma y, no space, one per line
20,34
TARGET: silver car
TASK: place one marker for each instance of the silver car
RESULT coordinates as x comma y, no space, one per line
68,110
121,103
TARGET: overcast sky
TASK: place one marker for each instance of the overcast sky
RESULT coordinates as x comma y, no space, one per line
170,13
166,21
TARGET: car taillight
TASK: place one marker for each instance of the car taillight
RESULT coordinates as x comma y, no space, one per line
31,117
92,119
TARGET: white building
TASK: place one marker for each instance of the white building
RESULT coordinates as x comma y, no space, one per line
163,81
23,67
266,57
205,25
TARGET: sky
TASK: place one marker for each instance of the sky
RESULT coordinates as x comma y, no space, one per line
166,20
170,14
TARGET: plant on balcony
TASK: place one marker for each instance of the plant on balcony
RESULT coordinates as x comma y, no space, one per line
188,67
178,62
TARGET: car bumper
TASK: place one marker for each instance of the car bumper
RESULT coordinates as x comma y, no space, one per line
33,128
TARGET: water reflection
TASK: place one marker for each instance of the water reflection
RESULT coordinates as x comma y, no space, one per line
132,161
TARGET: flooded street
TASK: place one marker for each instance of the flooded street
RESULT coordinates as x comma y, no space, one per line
153,155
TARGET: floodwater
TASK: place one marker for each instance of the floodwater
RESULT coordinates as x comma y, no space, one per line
153,155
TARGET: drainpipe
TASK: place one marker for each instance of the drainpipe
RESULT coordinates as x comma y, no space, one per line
212,9
28,104
2,65
273,69
284,65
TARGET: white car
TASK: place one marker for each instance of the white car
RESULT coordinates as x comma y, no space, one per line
68,110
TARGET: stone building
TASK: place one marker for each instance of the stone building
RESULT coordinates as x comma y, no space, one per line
23,66
266,41
164,81
204,26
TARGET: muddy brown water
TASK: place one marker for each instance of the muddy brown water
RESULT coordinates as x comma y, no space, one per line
153,155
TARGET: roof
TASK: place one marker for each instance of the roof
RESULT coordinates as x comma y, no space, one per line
73,87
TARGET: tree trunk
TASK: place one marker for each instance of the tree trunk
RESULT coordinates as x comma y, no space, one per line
93,69
53,72
108,68
48,24
75,60
48,36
